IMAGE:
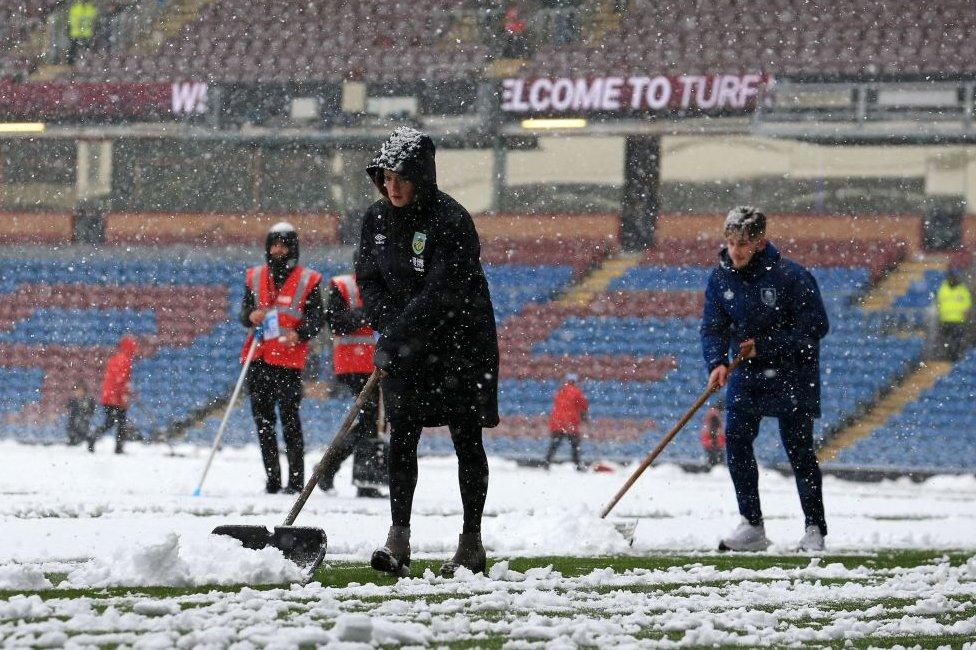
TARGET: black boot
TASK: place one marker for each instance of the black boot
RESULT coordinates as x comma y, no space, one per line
394,556
470,554
326,482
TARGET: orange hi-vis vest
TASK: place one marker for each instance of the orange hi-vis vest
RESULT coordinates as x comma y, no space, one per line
352,353
290,303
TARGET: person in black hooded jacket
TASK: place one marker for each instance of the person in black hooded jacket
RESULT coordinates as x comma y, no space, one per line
275,376
425,292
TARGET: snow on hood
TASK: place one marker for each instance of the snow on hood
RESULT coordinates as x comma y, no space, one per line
407,152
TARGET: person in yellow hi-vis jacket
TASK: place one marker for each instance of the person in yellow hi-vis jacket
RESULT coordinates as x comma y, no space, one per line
954,303
81,26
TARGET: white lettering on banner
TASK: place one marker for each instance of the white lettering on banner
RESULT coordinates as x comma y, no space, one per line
728,91
562,94
536,99
687,83
749,88
588,96
635,93
512,96
189,97
705,101
637,84
611,93
659,93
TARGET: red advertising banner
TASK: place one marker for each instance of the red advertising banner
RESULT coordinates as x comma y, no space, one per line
717,93
38,101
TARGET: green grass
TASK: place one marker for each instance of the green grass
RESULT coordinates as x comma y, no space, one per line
591,601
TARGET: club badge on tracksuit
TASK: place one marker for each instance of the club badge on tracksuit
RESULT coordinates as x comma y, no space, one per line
418,245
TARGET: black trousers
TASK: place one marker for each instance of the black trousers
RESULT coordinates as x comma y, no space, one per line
363,432
78,432
271,387
797,435
114,417
472,471
953,337
556,438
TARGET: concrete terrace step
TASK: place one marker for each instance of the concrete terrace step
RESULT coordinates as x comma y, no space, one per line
162,22
597,281
906,391
49,72
897,283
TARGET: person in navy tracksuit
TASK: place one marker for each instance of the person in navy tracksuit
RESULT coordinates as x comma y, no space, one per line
768,308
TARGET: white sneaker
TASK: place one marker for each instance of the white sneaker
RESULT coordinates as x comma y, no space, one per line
812,540
746,537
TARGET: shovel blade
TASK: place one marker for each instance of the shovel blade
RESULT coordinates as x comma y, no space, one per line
303,545
252,537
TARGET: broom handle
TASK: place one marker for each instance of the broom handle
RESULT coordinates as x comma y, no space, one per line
330,454
667,439
230,406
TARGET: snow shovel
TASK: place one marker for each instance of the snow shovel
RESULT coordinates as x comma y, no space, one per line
304,545
661,445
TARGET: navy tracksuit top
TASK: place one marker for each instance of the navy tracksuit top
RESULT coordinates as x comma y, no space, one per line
776,302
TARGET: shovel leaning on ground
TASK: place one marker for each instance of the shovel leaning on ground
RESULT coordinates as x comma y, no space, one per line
304,545
627,528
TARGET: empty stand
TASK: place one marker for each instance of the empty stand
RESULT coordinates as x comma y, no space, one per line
789,37
60,320
935,432
579,254
635,345
274,40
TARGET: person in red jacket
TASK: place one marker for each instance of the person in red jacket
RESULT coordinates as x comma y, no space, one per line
569,410
116,390
713,434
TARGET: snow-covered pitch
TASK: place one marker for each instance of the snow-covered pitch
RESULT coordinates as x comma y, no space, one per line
72,519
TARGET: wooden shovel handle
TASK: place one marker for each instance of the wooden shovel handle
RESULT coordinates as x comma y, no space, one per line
664,443
330,454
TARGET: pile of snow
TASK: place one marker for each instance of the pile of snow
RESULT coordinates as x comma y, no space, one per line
20,577
215,559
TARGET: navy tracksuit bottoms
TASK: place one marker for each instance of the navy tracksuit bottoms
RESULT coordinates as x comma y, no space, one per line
797,435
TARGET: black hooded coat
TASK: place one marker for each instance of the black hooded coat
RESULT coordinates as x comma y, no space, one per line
425,292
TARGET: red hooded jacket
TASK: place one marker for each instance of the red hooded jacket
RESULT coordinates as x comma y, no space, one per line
118,372
568,409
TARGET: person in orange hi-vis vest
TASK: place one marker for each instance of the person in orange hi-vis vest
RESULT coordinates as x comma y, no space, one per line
353,346
284,290
569,410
